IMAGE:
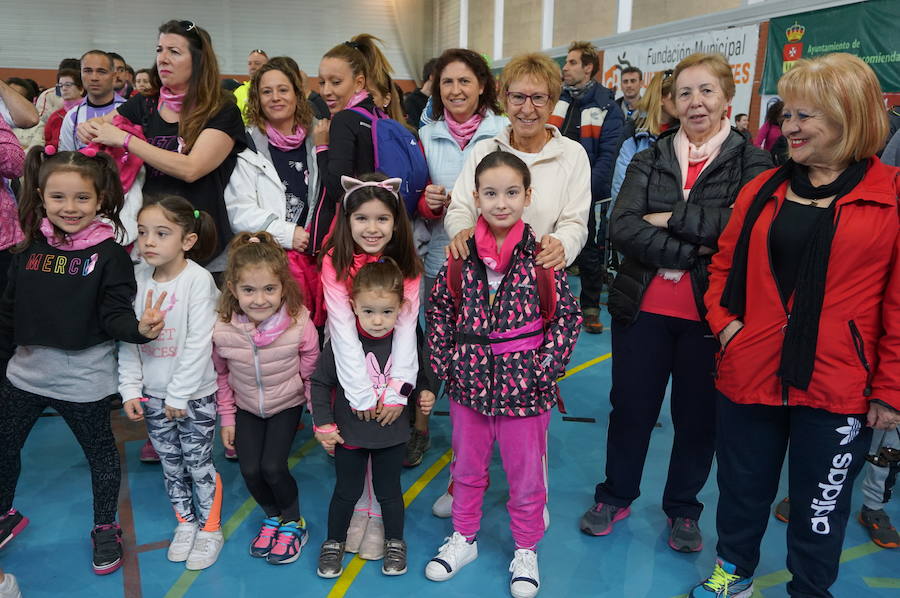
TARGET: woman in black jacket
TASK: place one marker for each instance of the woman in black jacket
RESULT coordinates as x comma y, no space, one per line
672,206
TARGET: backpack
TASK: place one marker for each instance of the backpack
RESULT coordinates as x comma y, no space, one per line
398,154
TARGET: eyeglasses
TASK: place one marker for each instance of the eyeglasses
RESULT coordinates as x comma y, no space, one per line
537,99
667,73
187,25
258,51
65,85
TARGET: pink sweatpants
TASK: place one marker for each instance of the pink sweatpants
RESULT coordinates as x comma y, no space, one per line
523,448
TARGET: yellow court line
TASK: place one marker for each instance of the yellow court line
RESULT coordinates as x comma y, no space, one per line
342,585
183,583
584,366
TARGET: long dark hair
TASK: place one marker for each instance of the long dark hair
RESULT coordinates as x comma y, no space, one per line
100,169
773,114
502,158
204,97
179,211
476,63
400,248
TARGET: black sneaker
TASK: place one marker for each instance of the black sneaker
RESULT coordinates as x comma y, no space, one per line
11,525
415,449
685,535
107,541
394,562
783,510
331,559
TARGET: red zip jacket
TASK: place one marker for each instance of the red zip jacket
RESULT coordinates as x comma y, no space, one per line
858,349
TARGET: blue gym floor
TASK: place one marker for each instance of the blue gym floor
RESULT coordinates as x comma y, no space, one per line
51,558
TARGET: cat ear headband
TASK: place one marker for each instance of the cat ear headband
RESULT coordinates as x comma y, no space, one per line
350,185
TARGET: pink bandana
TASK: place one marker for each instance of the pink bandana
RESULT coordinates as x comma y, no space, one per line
69,104
93,234
169,98
462,133
357,98
498,261
271,328
284,142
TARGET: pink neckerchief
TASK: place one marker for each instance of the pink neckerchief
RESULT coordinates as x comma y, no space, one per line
69,104
688,153
498,261
284,142
357,99
169,98
270,328
462,133
93,234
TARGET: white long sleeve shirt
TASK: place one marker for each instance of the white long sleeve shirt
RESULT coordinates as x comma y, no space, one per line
177,366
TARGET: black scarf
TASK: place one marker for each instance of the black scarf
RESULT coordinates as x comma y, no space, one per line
798,355
577,92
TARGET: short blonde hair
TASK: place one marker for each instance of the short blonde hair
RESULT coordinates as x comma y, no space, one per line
846,89
715,63
537,66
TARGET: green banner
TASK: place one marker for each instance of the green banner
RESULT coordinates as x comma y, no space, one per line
867,29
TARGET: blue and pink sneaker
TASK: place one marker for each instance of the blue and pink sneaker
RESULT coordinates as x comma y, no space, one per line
11,525
265,540
292,535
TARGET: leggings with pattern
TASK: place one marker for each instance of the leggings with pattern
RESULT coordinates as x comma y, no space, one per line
185,448
89,422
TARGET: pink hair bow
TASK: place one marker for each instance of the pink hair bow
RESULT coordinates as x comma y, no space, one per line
350,185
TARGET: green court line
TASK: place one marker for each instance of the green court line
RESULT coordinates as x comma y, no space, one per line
891,583
183,583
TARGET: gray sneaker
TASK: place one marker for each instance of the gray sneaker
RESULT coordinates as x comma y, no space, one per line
599,519
331,559
879,525
394,562
415,448
685,535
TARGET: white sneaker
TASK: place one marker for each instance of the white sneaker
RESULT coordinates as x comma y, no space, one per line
182,541
455,554
546,518
525,580
9,588
356,531
372,546
205,550
443,506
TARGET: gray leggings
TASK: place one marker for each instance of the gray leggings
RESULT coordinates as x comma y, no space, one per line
873,485
185,452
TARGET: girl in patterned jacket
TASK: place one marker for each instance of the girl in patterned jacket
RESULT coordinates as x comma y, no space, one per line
500,359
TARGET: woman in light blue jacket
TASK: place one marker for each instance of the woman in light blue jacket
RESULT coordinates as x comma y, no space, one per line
464,110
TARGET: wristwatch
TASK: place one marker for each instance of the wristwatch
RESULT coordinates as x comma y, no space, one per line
404,389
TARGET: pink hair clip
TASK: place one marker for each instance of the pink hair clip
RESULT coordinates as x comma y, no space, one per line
50,150
253,240
88,151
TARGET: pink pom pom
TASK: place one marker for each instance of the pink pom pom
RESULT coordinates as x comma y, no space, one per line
89,151
50,150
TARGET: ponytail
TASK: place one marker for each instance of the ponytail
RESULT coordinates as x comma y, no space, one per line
181,212
364,57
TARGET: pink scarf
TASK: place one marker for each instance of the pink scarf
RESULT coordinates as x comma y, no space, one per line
357,98
93,234
284,142
69,104
688,153
462,133
269,329
498,261
169,98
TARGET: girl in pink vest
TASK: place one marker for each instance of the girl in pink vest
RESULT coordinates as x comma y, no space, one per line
371,223
264,351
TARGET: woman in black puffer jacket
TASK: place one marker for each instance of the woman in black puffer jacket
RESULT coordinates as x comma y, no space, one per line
675,201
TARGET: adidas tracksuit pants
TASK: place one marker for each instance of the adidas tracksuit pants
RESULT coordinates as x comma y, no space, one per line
825,452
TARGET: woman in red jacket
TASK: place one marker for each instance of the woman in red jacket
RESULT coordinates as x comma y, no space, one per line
804,295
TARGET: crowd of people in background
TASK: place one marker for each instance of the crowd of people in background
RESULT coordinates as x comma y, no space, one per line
249,251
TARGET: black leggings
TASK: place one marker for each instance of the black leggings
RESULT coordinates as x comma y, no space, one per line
351,467
263,446
89,422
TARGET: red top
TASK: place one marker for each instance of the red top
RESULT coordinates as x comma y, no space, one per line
861,304
667,297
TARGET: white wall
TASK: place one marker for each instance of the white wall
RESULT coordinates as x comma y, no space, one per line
38,33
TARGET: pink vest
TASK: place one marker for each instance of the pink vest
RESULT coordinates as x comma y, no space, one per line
265,380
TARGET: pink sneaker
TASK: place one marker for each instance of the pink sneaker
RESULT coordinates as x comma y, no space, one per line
148,453
231,454
11,525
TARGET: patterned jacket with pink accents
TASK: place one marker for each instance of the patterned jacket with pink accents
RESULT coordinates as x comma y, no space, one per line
474,351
